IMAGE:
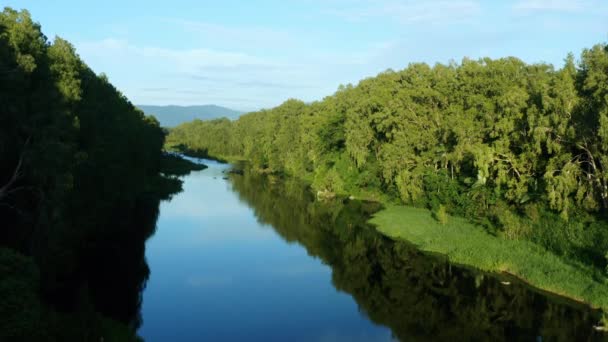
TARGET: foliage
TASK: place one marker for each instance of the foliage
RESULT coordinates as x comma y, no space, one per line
79,191
467,244
488,139
20,307
441,214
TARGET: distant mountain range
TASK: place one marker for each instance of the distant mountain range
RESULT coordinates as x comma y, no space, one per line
171,116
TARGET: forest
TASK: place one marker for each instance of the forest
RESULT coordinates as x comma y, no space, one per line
519,149
80,186
500,154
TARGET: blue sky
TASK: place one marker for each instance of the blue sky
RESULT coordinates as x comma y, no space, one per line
252,54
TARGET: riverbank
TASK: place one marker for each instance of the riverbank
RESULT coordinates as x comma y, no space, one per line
467,244
174,164
196,153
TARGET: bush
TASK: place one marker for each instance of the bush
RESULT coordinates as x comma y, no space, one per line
440,188
513,226
328,180
20,307
441,214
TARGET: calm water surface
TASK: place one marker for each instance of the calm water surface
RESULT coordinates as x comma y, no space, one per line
220,274
254,258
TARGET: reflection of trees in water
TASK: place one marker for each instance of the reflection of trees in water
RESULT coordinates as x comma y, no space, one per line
88,284
116,267
417,296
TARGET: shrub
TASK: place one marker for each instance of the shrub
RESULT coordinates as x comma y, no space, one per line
513,226
441,214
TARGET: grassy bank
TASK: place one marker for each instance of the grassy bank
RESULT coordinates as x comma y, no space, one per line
467,244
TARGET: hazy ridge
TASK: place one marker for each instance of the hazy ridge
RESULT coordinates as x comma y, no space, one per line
171,115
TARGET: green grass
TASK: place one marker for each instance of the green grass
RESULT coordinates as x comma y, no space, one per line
468,244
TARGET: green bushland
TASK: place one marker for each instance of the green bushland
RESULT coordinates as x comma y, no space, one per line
518,149
80,187
468,244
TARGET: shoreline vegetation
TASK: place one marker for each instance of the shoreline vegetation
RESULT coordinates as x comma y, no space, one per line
464,243
469,245
516,154
197,153
175,165
417,295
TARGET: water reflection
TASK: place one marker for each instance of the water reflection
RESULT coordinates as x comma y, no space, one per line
256,258
218,274
417,296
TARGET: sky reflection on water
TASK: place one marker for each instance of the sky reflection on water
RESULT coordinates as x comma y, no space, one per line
218,274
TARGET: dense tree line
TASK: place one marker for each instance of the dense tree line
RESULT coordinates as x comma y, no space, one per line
79,193
419,297
520,148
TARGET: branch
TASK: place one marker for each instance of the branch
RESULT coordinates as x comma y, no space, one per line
508,160
4,191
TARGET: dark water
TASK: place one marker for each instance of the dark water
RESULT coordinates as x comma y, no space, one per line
255,258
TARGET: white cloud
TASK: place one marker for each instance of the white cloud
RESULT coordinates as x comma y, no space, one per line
197,75
184,60
235,36
406,12
529,6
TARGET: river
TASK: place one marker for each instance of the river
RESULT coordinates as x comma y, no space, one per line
257,258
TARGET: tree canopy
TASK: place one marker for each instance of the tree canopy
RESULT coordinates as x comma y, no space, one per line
520,148
79,192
